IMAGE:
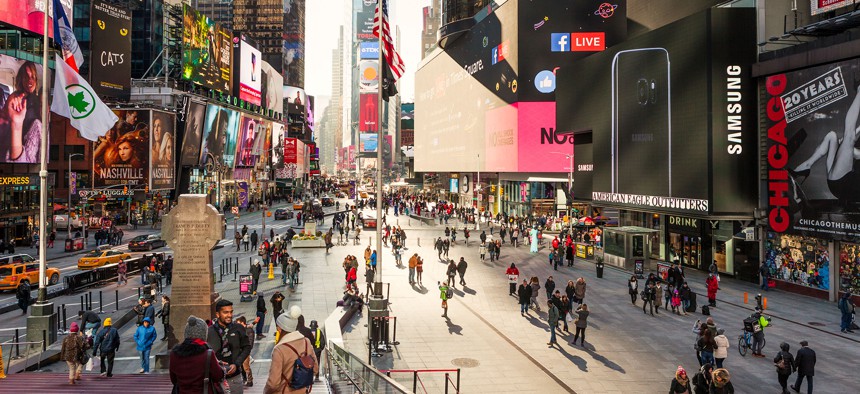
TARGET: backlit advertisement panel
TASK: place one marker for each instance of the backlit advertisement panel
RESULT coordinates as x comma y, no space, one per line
194,121
110,59
368,112
822,6
368,142
162,150
368,76
216,134
231,131
30,14
21,101
248,67
278,135
252,135
121,157
207,51
670,113
812,118
310,120
295,95
364,21
456,89
368,50
272,88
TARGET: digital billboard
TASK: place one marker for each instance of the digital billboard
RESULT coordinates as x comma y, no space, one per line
364,21
121,157
212,141
555,33
252,135
230,132
207,51
368,50
21,101
194,121
310,120
272,88
670,113
812,122
456,89
822,6
368,142
368,76
110,50
295,95
368,112
162,150
248,67
278,135
30,14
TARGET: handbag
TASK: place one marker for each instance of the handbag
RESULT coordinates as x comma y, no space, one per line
212,387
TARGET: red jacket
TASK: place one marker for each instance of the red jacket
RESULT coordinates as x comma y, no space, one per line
351,275
713,285
187,361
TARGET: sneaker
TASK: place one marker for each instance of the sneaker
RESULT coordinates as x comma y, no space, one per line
141,371
103,374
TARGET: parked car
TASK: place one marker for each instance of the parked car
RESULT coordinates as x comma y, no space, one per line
283,214
146,242
19,268
341,195
100,258
327,201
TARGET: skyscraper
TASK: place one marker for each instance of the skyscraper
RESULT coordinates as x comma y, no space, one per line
293,59
264,21
220,11
431,21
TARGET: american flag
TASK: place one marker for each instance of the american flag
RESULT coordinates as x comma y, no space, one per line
392,58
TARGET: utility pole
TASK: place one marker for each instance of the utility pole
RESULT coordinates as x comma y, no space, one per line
69,210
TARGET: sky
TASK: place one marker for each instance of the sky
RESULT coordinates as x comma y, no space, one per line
321,34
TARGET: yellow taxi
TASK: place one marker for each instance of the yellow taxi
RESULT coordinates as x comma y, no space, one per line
298,205
20,268
363,194
100,258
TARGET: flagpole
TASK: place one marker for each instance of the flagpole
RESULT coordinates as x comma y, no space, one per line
377,289
43,171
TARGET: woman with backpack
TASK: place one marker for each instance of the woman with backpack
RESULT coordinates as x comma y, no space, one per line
784,363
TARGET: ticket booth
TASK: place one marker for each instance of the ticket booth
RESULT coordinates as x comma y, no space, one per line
627,247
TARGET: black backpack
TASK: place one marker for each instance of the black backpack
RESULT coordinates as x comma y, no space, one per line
303,369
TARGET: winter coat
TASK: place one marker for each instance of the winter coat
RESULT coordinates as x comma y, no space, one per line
461,267
144,337
713,285
789,363
553,316
73,347
284,360
684,292
237,341
549,286
581,320
722,349
106,341
579,289
525,294
804,361
187,366
633,287
677,387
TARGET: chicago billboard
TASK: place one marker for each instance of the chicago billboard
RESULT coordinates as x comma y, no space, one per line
207,51
670,113
121,157
21,101
812,118
110,56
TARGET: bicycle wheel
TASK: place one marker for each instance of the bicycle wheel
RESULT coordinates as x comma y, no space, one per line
742,346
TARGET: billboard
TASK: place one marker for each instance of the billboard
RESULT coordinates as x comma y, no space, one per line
162,150
121,157
293,55
278,135
213,141
812,118
556,33
207,51
272,88
670,116
364,21
309,118
21,101
458,88
248,67
368,112
110,56
368,142
252,136
368,76
229,131
194,122
30,14
295,95
368,50
822,6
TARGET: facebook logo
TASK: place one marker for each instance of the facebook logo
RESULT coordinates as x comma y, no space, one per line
560,42
495,55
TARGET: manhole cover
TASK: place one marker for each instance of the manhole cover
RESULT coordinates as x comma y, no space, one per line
465,362
816,324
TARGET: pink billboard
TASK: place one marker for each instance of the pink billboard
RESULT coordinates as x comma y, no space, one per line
500,139
539,148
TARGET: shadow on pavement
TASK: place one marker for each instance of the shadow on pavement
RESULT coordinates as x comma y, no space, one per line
453,328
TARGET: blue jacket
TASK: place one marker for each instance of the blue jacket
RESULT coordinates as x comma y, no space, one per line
106,341
150,313
144,337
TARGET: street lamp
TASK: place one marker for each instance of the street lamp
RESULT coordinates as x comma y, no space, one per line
69,205
569,179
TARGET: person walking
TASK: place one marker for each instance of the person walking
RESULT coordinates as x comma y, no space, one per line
369,275
144,337
581,322
164,313
247,372
764,273
419,270
633,288
277,302
702,380
450,273
73,352
294,362
706,346
685,293
681,383
482,250
230,344
513,275
246,241
722,349
549,287
461,270
804,364
444,292
121,272
255,238
188,360
784,363
524,292
648,296
721,382
846,307
105,346
552,318
319,341
535,284
22,293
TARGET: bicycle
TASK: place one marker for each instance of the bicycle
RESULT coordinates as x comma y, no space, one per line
745,342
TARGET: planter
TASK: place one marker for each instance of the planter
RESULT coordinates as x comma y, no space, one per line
310,243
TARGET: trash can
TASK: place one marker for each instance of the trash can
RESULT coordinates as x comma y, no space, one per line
599,269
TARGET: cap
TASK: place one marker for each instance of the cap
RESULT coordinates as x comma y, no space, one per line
195,328
73,327
107,322
289,320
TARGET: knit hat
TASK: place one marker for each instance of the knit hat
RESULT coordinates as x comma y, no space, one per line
195,328
73,327
681,371
289,320
107,322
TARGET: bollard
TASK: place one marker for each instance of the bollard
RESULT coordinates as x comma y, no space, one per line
44,340
221,278
764,303
64,317
116,294
419,242
59,314
271,271
746,298
446,382
138,293
101,304
90,301
82,303
17,348
234,276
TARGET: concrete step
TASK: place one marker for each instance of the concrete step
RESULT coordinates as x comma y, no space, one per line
36,382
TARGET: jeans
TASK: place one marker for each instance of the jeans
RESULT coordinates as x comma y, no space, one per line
524,308
144,359
107,363
685,304
800,380
551,334
707,357
763,283
783,381
757,343
720,362
579,331
844,325
259,326
411,275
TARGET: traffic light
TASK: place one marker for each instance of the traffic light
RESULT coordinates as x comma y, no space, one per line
492,188
501,190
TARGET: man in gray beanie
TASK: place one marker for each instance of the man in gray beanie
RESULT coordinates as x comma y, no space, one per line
188,359
291,346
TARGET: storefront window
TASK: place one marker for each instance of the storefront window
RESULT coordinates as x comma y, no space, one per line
849,267
685,249
800,260
614,242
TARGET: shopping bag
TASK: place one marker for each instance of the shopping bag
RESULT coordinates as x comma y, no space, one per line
569,318
89,365
96,362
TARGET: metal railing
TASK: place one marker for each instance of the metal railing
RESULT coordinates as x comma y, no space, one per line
416,377
343,365
16,345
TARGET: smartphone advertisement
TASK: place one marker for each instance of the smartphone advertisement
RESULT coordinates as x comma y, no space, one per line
671,114
812,125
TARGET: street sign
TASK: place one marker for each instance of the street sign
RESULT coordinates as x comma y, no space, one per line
235,210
